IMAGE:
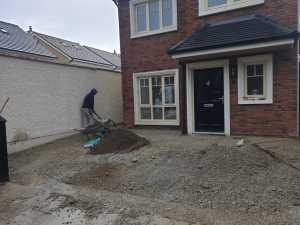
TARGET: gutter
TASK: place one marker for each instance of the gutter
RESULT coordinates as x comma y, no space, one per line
235,48
97,65
26,55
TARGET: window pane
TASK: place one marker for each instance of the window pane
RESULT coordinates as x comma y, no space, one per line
259,69
170,113
146,82
144,91
145,95
154,15
156,91
212,3
171,80
145,113
169,90
167,10
255,85
157,113
250,70
156,81
141,22
170,95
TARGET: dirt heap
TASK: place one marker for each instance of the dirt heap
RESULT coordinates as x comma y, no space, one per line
120,140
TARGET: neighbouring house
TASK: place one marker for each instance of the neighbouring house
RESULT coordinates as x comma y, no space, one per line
211,66
46,78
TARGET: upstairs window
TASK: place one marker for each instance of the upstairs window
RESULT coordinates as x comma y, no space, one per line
141,24
207,7
152,17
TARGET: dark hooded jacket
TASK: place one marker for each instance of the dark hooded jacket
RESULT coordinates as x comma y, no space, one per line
89,99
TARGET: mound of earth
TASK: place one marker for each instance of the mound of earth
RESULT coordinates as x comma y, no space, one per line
120,141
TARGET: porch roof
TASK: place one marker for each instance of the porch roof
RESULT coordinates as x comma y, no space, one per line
246,30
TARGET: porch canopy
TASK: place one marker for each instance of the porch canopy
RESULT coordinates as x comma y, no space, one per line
245,34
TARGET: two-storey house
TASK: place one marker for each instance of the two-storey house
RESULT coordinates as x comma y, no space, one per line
211,66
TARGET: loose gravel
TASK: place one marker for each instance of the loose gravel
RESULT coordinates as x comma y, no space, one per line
207,172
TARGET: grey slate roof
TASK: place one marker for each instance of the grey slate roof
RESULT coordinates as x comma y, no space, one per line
13,38
108,56
238,31
74,50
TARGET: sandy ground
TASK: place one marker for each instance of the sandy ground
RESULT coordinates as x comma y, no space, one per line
177,179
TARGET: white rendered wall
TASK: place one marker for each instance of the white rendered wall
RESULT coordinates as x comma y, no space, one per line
45,98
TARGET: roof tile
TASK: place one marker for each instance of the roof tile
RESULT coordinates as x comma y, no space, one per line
74,50
13,38
241,30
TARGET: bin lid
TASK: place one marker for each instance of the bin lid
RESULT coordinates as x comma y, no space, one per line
2,119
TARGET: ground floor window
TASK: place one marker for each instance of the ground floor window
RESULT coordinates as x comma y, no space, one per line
255,79
156,98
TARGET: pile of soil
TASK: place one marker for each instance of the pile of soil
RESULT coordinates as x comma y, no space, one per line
120,141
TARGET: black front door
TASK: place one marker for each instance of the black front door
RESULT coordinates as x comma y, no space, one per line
209,100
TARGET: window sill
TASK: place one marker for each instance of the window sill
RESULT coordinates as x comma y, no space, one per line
158,122
150,33
234,6
255,101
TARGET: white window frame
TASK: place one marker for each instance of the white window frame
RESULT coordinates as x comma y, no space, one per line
263,96
148,32
267,97
164,73
230,5
190,104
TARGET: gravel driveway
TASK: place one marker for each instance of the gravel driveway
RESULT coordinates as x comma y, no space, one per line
175,180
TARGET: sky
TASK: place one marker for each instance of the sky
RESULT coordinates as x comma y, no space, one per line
89,22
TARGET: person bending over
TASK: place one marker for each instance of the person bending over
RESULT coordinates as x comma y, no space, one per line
87,109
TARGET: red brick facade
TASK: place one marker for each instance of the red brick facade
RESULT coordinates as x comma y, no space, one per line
150,54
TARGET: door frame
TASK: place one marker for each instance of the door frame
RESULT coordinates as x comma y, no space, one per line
190,68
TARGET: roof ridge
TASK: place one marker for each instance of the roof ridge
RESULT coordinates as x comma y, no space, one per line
261,17
58,38
175,46
236,19
270,20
